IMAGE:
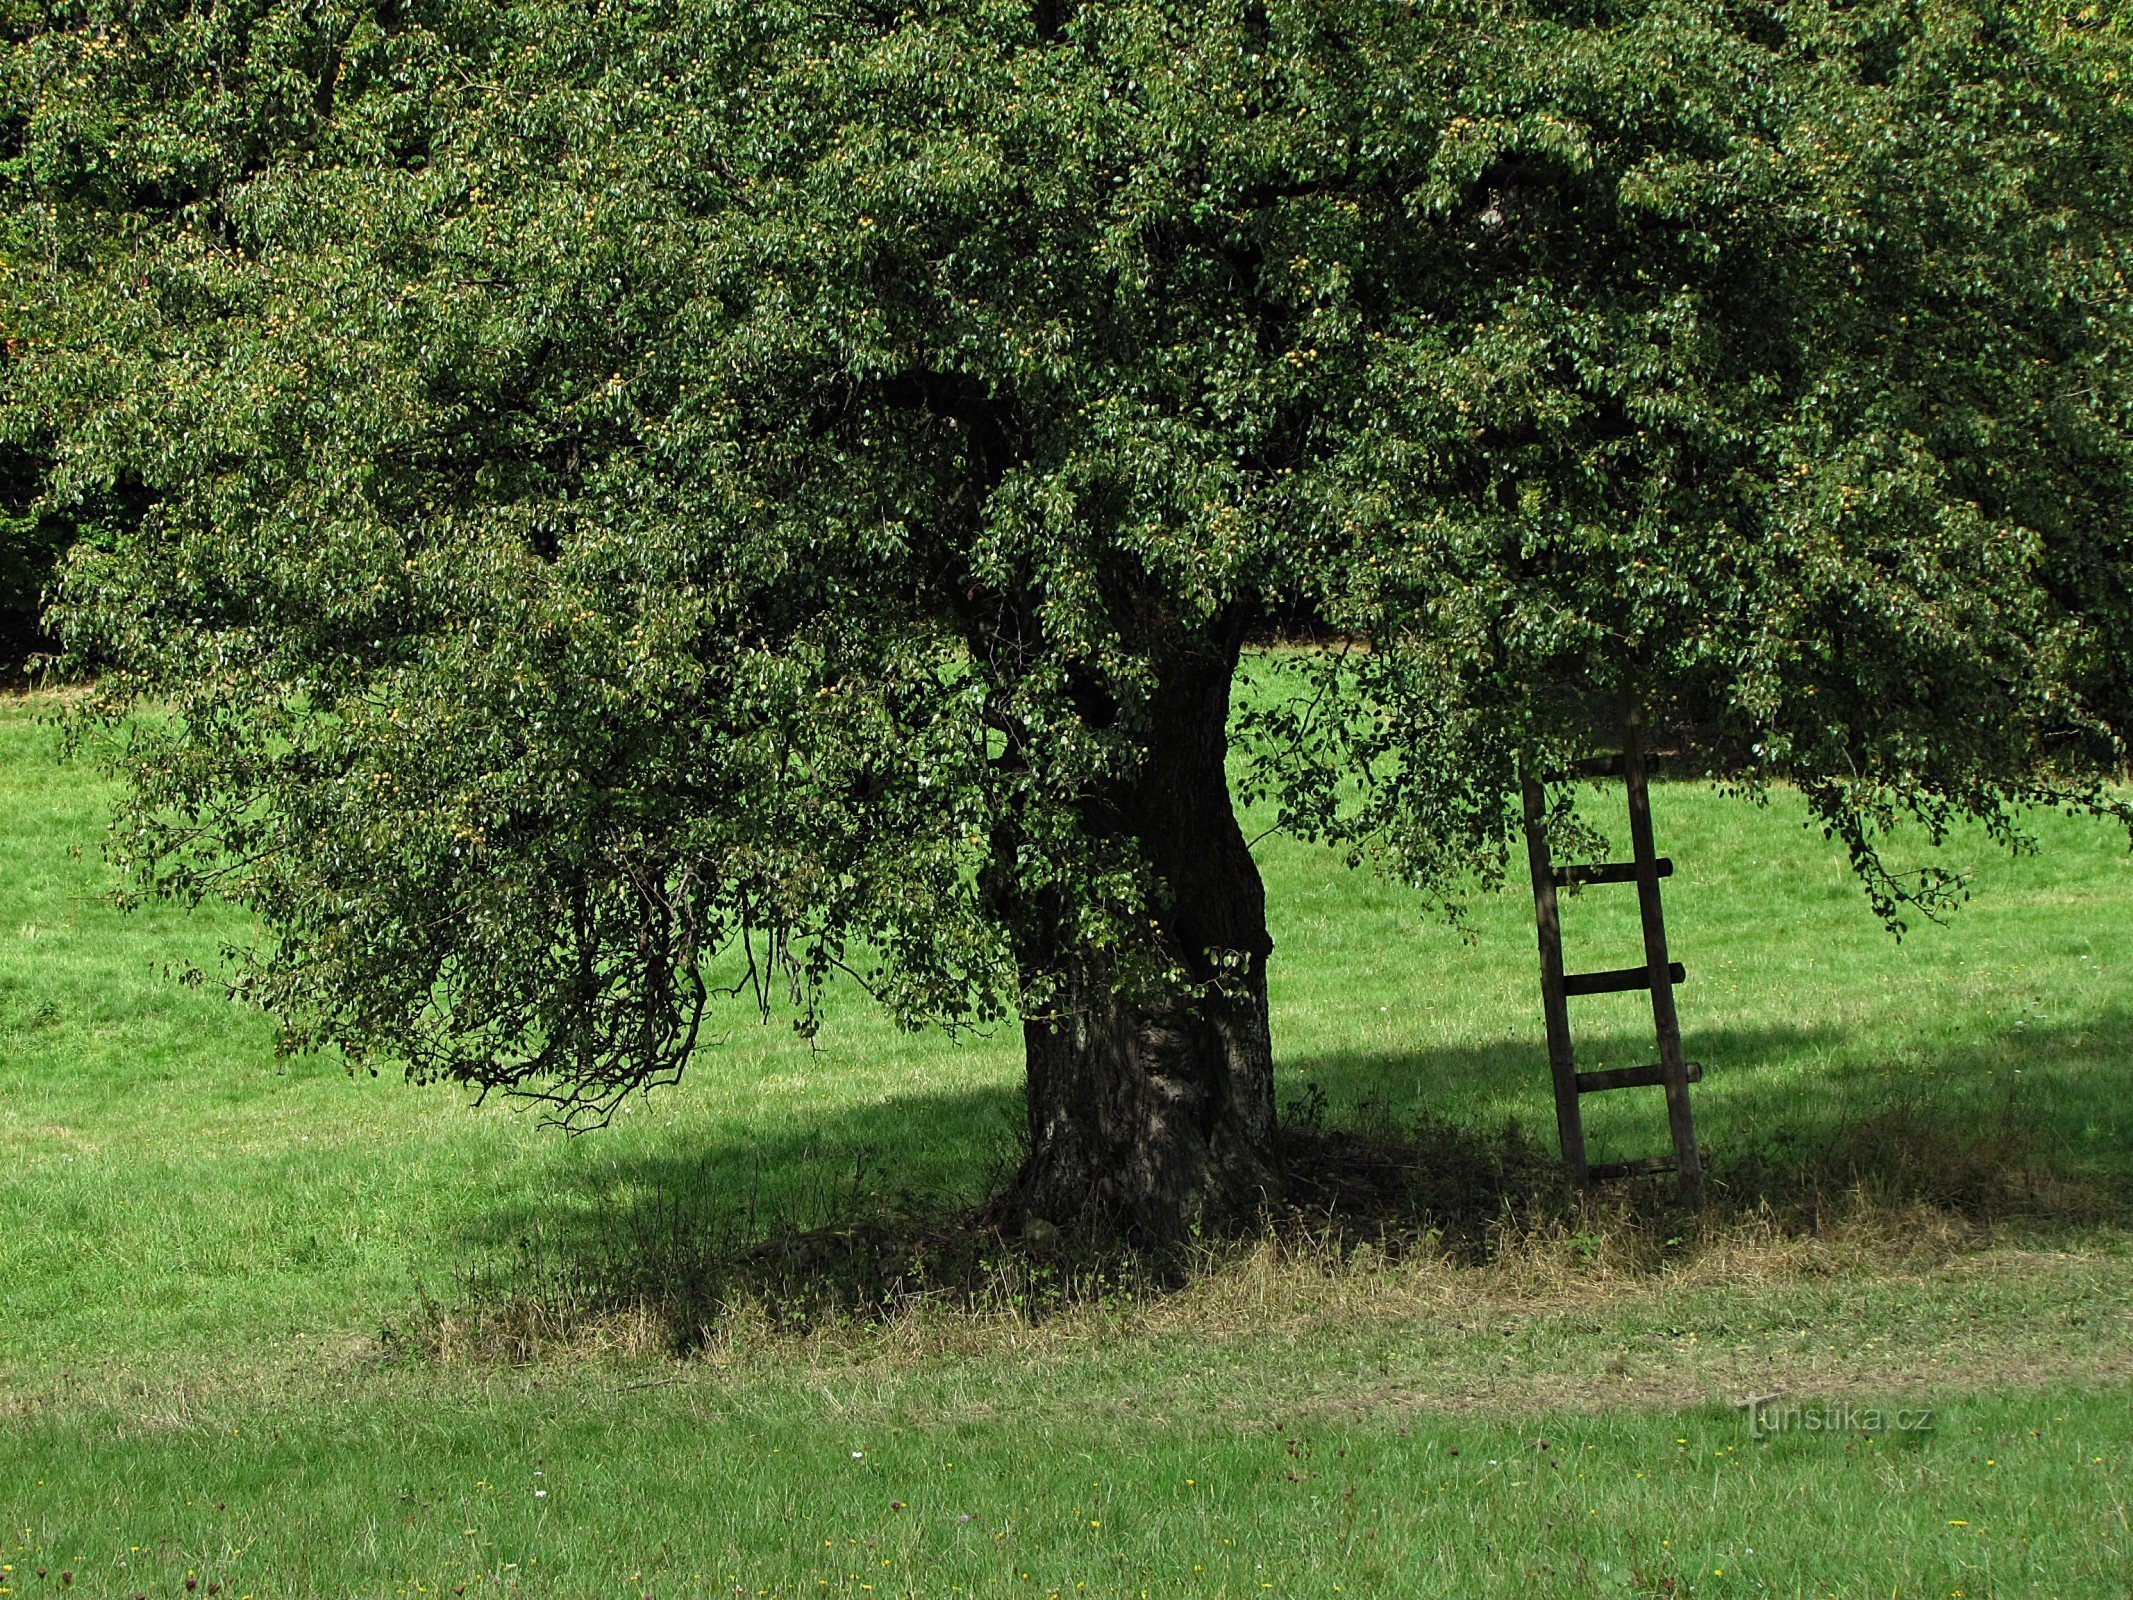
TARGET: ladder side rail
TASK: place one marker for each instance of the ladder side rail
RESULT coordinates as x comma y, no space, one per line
1555,1006
1688,1161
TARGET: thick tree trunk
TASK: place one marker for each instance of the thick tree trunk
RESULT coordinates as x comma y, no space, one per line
1154,1115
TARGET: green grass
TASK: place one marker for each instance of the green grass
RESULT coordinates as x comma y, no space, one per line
201,1245
767,1487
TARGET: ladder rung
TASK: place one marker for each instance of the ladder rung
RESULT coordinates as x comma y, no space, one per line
1610,872
1634,1077
1618,981
1630,1169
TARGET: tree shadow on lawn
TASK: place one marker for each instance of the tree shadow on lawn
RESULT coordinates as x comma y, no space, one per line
2036,1120
2033,1125
661,1250
1508,1079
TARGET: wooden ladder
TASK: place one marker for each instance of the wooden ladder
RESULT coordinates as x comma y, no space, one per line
1658,974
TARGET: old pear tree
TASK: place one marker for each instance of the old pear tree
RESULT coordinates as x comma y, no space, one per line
653,506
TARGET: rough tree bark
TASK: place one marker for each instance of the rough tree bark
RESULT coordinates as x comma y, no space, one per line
1156,1116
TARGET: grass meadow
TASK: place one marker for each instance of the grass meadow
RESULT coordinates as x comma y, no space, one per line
269,1330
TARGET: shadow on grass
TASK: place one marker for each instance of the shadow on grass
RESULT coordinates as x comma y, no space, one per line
670,1251
2034,1124
1462,1081
2035,1120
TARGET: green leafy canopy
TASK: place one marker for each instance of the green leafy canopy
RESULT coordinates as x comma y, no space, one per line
644,493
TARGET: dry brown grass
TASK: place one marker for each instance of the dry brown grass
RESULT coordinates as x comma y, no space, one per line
1605,1302
1544,1268
1540,1329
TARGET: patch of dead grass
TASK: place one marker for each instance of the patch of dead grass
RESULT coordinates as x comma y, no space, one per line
1599,1266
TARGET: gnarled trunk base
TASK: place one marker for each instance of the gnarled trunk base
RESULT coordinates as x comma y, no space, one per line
1155,1121
1153,1114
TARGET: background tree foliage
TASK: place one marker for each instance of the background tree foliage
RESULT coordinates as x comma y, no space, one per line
641,501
